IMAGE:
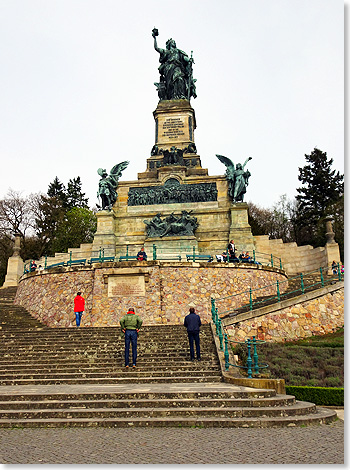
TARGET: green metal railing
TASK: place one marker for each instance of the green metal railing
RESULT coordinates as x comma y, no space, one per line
276,291
252,365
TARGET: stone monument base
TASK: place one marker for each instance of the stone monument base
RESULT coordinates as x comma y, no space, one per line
240,230
172,245
14,271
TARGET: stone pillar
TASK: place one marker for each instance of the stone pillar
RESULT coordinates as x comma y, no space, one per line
240,230
329,230
105,234
15,265
331,248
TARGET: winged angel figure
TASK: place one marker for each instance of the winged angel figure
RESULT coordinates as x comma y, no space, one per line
237,178
107,186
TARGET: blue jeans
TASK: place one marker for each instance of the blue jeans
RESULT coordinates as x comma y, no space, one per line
194,336
78,317
130,335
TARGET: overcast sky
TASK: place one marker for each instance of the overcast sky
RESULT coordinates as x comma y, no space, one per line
77,87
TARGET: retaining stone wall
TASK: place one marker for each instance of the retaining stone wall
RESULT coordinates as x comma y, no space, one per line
170,289
321,315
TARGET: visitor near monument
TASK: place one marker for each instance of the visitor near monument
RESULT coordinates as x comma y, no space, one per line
231,250
130,325
193,323
79,307
141,255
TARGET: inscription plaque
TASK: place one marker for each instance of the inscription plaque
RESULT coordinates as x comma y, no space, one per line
173,128
130,286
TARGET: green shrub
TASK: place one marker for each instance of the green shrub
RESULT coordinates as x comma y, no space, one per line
318,395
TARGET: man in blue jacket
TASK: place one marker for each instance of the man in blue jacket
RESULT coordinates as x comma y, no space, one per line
192,323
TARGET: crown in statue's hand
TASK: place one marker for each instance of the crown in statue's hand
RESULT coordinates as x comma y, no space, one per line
155,32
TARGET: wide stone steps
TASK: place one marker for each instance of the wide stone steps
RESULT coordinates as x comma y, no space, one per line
75,377
211,407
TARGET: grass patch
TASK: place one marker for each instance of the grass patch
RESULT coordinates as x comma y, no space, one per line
317,361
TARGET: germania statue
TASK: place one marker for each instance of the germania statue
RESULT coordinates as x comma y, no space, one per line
176,81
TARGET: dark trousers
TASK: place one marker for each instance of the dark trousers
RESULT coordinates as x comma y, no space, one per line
130,335
194,336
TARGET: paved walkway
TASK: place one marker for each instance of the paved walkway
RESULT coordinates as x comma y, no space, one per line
310,445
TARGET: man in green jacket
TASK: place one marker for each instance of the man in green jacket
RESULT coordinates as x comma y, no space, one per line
130,324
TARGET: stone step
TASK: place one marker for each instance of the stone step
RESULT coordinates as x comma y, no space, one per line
132,378
151,367
296,409
88,361
119,392
115,373
108,403
321,416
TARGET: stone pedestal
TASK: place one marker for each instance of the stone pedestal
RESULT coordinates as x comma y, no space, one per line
240,230
105,237
175,123
171,245
15,265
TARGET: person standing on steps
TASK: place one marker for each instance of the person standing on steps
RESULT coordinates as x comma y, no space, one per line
130,324
192,323
79,307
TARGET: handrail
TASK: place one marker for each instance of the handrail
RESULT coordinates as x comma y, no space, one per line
185,254
275,292
224,341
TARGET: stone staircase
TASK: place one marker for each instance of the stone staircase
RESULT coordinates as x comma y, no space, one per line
76,377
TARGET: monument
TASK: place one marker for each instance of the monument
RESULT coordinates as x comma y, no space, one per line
174,208
175,204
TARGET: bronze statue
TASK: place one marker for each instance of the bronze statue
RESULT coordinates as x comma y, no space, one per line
107,186
172,225
176,81
237,178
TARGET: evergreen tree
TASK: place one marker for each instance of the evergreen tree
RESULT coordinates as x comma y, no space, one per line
321,188
58,190
50,215
75,196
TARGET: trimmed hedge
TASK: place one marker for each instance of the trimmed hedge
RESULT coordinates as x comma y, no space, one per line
318,395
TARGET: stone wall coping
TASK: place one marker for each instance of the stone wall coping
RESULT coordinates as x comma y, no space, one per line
284,304
117,267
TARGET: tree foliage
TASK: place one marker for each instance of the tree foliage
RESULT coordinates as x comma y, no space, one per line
47,223
322,188
78,226
275,222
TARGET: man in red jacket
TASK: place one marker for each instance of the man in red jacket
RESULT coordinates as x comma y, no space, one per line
79,305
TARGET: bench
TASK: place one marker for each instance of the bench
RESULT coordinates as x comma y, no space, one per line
107,258
208,258
76,261
101,260
56,265
127,258
95,260
169,257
